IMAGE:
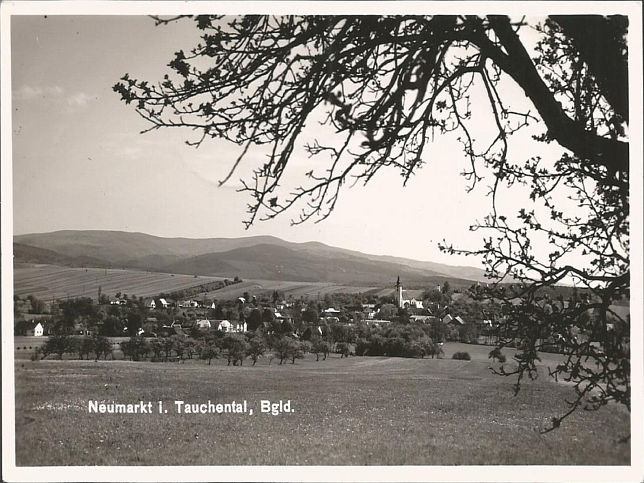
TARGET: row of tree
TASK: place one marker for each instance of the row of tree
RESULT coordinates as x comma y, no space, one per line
395,341
212,345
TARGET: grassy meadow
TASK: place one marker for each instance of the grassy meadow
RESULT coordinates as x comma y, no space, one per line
358,411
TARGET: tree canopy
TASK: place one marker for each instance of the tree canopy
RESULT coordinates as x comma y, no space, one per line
383,87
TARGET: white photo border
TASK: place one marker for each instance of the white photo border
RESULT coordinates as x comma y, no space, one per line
634,472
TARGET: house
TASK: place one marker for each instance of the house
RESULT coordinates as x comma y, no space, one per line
226,326
35,329
413,303
331,311
456,321
164,303
153,304
203,324
189,304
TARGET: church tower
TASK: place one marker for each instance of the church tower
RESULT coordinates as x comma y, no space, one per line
399,293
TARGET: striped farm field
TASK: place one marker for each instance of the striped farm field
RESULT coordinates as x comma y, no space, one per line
54,282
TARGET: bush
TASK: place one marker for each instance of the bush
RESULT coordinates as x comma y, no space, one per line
462,356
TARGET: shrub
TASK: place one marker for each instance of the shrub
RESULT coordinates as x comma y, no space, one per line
462,356
342,348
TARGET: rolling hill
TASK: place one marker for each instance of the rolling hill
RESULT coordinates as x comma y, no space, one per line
258,257
275,262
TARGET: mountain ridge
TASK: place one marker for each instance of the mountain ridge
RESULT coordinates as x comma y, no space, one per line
250,256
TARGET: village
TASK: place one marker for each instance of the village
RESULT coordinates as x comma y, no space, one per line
441,314
169,316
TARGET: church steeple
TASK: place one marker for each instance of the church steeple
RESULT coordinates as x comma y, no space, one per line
399,293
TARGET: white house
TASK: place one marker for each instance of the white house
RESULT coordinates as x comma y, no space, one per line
164,303
153,304
226,326
418,304
331,311
189,304
35,329
204,324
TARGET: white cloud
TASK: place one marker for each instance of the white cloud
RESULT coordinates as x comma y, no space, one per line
57,93
79,99
27,92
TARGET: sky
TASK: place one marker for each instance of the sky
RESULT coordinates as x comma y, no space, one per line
80,162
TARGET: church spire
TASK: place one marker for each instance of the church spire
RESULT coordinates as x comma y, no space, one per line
399,292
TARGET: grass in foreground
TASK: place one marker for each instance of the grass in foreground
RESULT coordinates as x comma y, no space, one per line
359,411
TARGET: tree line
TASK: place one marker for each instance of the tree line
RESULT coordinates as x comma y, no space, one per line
394,341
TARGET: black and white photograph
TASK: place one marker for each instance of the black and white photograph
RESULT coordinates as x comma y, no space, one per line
322,241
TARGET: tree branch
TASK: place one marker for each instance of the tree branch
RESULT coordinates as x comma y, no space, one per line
610,153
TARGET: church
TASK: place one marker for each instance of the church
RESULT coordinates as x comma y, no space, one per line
404,303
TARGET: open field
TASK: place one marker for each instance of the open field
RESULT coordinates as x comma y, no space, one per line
51,282
360,410
294,289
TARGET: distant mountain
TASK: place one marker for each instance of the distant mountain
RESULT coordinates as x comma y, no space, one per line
258,257
28,254
273,262
124,248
